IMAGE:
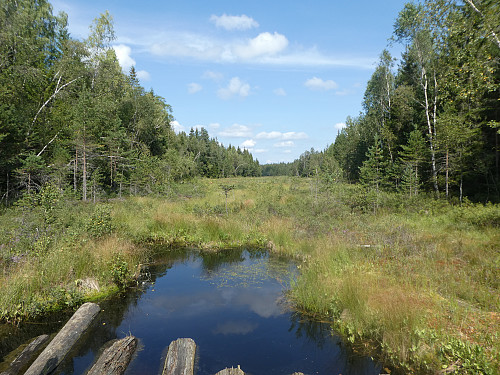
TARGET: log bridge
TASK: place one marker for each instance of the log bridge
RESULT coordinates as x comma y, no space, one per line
113,361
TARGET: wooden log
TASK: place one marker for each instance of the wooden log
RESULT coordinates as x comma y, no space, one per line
26,356
55,352
180,357
231,371
115,359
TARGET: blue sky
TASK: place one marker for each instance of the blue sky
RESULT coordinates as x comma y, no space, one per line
275,77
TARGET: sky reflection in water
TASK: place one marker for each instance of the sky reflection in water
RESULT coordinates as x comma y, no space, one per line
232,306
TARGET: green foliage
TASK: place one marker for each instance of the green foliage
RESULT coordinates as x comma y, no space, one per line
477,215
100,222
119,271
435,117
465,358
100,132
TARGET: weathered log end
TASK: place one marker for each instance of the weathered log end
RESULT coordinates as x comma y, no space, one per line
115,359
231,371
180,357
26,356
57,349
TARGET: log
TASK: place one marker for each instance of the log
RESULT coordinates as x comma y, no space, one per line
115,359
231,371
55,352
180,357
26,356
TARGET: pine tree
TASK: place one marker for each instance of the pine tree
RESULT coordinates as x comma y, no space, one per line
412,156
373,171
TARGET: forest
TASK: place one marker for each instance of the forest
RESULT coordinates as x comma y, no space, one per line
394,227
430,120
71,117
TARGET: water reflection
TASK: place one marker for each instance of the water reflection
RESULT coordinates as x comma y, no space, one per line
231,304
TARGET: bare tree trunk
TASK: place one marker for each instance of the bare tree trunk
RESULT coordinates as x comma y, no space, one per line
75,171
497,155
84,180
7,192
430,130
447,173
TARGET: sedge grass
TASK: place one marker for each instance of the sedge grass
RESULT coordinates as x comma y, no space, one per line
417,281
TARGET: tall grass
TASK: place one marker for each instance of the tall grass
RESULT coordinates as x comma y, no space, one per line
416,281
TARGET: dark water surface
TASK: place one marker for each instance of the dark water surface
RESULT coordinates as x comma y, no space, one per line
231,304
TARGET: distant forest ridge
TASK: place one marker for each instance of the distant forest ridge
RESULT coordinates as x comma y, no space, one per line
69,116
430,122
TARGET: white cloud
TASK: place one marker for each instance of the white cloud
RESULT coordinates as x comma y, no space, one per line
214,125
284,144
177,127
236,131
319,84
185,44
194,88
340,125
248,143
214,76
259,150
287,151
263,44
280,92
294,135
236,87
270,135
123,55
265,49
126,61
281,136
143,75
242,22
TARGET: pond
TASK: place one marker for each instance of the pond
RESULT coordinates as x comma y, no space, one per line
232,305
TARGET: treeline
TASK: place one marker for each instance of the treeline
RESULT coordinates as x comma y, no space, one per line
433,122
70,116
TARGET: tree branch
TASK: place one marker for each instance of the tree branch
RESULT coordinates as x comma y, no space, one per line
58,89
44,147
495,36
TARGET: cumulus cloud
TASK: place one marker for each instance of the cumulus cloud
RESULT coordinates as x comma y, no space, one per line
143,75
177,127
123,55
236,131
249,143
236,87
280,92
194,88
281,136
319,84
340,125
284,144
263,44
266,48
242,22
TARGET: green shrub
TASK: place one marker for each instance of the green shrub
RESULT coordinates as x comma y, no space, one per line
100,222
120,272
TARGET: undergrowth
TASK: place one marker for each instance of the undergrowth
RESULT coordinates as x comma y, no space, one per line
413,281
